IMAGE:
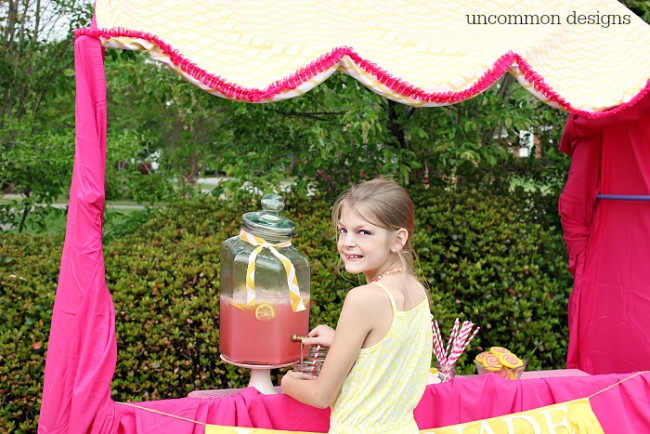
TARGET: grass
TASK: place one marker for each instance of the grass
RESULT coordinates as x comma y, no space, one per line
62,201
53,222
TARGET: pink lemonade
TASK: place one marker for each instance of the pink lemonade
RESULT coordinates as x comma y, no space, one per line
261,334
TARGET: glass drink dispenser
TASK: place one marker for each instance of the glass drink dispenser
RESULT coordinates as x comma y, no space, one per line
265,290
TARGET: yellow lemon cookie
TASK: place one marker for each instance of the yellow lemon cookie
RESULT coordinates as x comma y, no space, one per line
480,357
499,350
510,360
491,360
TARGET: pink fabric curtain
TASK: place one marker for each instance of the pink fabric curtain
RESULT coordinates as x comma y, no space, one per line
607,240
82,349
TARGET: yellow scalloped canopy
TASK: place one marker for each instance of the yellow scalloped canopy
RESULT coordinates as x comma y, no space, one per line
585,56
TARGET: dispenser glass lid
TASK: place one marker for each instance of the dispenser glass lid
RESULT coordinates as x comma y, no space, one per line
269,221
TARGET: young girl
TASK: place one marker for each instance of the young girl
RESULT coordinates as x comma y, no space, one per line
380,353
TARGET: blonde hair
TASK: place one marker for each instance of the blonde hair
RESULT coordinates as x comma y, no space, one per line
383,203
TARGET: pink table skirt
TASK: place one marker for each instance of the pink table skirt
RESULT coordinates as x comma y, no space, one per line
621,408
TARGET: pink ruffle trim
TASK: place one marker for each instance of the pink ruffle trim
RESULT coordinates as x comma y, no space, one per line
397,85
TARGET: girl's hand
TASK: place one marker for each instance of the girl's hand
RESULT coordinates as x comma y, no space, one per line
291,375
321,335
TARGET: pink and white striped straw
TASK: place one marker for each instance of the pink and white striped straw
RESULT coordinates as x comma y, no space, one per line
459,342
439,339
437,343
313,363
471,338
452,336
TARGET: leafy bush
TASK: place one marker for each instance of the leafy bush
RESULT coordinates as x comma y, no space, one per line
29,268
498,260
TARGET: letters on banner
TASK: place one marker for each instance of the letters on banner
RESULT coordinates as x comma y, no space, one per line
572,417
567,417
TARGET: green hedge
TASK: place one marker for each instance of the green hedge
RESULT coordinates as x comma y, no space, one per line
496,259
29,268
499,261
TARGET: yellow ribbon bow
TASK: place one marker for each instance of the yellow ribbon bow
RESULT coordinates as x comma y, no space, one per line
260,243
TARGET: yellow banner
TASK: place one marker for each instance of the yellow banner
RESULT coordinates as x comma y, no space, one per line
215,429
572,417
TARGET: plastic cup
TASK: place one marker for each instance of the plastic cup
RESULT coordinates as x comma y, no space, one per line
312,363
445,372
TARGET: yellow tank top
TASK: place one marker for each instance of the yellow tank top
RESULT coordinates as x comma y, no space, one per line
388,379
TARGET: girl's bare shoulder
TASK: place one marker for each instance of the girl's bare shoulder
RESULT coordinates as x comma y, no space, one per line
366,297
367,290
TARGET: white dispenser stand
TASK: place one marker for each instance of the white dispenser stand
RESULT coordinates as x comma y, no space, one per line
260,375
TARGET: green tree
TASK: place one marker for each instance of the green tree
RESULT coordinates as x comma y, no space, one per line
39,169
341,132
337,133
181,121
35,70
640,7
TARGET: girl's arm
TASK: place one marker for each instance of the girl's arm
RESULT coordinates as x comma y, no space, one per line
355,322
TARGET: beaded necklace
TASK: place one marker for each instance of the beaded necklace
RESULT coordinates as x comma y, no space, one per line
388,273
